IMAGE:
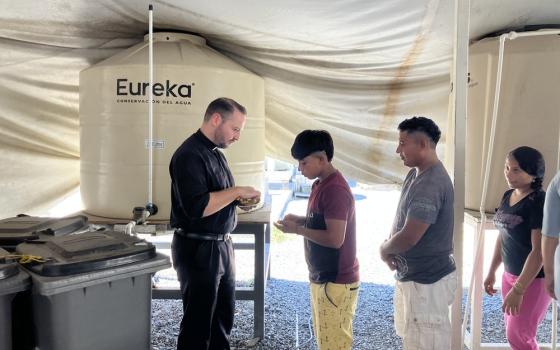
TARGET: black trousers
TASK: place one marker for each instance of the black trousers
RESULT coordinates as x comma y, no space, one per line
206,273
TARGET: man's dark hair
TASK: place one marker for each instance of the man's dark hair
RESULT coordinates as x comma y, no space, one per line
224,106
421,124
309,141
532,162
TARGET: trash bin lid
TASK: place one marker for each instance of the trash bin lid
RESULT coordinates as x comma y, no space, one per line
85,252
22,228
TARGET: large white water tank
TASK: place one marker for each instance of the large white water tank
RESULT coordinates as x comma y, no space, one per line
188,75
528,111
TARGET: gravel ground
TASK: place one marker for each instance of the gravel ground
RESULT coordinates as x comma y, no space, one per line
287,310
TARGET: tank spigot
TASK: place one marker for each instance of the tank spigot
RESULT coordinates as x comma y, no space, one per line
139,214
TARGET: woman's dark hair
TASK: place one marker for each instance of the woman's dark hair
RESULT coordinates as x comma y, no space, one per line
309,141
532,162
421,124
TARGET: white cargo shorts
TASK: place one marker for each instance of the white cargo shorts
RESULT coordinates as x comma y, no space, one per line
422,313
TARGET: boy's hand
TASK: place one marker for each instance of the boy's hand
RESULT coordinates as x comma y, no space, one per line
286,226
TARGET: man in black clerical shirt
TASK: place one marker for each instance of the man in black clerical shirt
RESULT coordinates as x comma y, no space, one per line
203,200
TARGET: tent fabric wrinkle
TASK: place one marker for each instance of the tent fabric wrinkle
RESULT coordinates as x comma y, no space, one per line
355,68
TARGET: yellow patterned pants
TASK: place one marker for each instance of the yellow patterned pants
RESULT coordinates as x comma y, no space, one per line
333,307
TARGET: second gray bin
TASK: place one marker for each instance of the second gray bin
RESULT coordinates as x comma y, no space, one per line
106,304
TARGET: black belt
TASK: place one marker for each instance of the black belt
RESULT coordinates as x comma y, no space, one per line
203,236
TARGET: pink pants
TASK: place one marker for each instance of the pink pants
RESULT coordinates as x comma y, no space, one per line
521,330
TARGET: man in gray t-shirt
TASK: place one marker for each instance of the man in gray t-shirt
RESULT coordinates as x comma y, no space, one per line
427,197
420,246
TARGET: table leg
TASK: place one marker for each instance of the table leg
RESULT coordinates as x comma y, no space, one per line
260,238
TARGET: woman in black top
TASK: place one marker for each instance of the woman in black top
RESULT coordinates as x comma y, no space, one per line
519,220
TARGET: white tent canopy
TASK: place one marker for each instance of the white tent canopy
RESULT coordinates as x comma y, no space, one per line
355,68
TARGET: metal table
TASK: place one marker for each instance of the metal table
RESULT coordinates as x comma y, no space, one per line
256,223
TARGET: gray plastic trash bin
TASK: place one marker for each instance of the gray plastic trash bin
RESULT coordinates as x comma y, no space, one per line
94,291
12,281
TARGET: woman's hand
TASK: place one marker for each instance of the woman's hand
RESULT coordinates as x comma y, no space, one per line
512,303
549,285
489,284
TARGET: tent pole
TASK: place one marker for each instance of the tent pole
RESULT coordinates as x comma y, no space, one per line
459,79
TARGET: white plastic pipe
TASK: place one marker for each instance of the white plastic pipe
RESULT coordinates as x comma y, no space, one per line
297,331
515,35
129,228
479,250
554,324
557,251
150,105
